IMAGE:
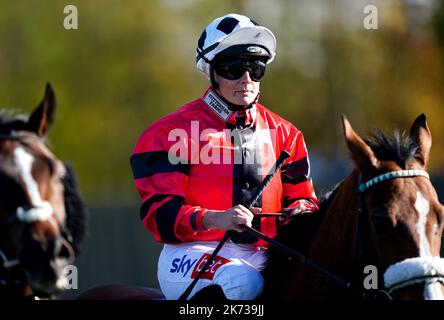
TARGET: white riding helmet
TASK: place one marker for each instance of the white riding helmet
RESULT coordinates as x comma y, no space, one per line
233,30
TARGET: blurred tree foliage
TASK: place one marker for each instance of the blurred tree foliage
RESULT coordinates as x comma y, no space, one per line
131,62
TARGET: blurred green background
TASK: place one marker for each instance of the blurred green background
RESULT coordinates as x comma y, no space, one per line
131,62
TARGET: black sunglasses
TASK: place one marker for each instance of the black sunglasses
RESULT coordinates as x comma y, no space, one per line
235,69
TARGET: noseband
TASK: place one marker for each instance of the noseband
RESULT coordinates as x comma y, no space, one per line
412,270
26,215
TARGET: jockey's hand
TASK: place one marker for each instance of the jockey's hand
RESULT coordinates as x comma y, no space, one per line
289,213
231,219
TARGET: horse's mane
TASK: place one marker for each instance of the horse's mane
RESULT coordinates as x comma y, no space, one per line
399,148
76,211
10,121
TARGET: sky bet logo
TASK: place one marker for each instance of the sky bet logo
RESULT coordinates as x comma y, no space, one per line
182,265
212,268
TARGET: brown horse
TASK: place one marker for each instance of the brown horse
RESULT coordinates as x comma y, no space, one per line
41,211
385,216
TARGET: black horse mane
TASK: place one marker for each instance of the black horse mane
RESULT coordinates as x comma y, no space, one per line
399,148
76,210
10,121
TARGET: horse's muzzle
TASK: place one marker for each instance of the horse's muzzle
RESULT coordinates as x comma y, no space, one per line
45,265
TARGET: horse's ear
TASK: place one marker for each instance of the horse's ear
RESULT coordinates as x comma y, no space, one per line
43,116
420,135
361,152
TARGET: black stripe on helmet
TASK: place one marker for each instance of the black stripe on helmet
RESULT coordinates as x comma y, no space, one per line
227,25
201,54
202,38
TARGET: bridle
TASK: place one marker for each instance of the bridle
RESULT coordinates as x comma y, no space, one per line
27,215
411,270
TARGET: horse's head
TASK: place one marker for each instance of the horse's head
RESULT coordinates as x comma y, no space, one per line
400,210
32,208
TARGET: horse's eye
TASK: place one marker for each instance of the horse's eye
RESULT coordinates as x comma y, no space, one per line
439,221
435,229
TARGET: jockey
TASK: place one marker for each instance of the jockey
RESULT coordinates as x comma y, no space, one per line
195,167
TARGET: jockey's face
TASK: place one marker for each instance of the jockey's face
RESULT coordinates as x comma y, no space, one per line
242,91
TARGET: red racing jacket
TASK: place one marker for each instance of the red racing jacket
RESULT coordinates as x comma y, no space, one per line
205,156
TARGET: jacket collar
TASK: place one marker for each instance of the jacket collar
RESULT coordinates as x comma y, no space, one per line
215,103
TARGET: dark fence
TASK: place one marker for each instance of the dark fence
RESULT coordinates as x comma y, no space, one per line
118,250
